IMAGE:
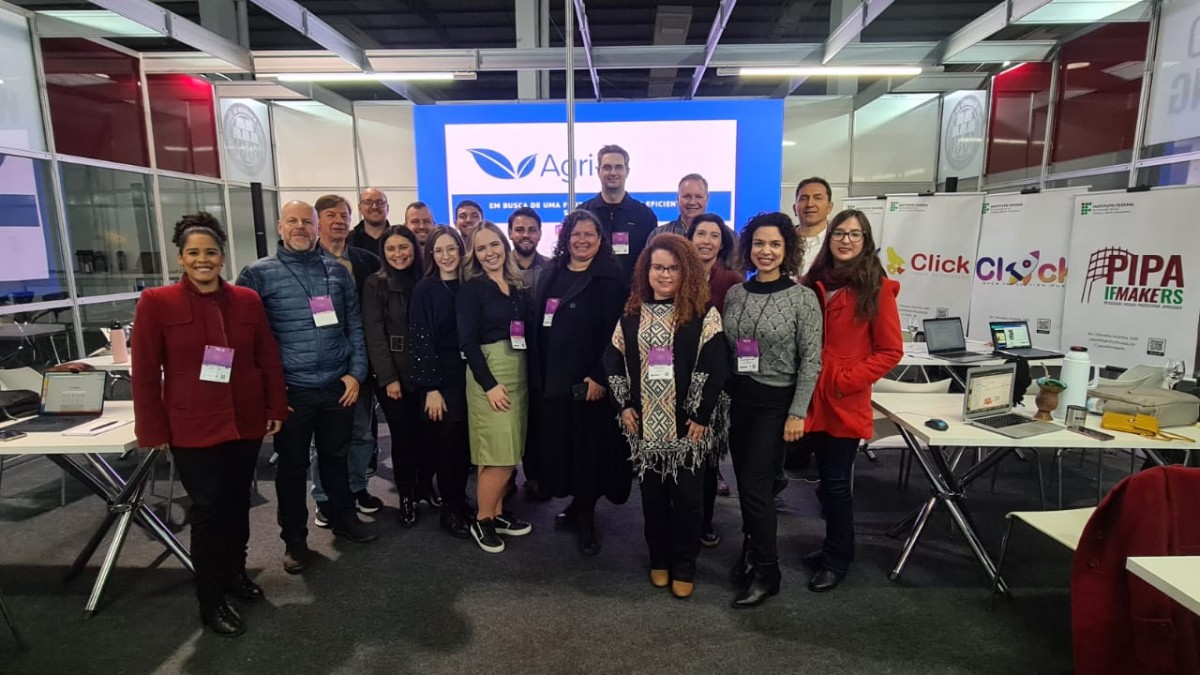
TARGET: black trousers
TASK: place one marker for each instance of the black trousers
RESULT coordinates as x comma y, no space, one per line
674,512
217,480
316,415
412,461
710,494
451,448
835,462
756,417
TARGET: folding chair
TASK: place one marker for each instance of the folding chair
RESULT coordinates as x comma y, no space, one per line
1064,527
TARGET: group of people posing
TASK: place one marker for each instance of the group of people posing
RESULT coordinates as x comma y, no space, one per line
634,351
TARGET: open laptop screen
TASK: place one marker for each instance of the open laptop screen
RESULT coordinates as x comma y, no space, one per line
73,393
944,335
989,391
1011,335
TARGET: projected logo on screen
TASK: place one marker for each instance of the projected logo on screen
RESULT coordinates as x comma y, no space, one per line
1129,278
497,165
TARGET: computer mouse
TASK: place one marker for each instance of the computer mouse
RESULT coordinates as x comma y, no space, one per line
936,424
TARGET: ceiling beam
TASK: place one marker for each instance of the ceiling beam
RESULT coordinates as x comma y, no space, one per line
360,37
585,32
312,27
423,10
636,57
169,24
852,26
988,24
710,45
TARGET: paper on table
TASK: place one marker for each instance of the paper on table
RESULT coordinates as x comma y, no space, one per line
97,427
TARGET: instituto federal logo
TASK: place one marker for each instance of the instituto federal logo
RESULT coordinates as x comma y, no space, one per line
1085,208
1134,279
245,138
964,133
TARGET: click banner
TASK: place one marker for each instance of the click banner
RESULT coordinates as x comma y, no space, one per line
929,247
1021,264
1132,255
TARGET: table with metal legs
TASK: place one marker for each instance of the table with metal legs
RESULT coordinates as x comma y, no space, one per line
124,498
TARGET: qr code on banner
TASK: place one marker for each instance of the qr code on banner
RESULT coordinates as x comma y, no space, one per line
942,312
1156,346
1043,326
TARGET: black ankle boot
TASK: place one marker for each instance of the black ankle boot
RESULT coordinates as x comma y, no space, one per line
742,571
764,584
221,619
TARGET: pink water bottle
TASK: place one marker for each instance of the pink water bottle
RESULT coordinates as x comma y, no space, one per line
116,338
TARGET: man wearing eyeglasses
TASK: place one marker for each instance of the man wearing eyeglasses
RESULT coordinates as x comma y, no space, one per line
373,206
814,203
628,221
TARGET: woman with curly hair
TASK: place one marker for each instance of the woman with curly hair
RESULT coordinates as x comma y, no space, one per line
774,327
862,343
578,298
208,384
666,368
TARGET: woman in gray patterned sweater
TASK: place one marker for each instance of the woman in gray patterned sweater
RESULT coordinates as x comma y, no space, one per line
666,367
773,326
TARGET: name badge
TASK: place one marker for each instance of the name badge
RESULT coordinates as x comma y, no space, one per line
217,364
551,308
621,243
397,342
516,334
662,363
322,311
747,355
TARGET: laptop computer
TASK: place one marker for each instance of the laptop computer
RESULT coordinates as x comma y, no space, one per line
1011,338
988,403
68,400
944,339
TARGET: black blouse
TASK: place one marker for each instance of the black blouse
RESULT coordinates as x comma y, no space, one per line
485,315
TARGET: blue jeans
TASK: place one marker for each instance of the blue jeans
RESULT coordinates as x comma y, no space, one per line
358,452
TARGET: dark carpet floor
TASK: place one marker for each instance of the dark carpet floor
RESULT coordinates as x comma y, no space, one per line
418,601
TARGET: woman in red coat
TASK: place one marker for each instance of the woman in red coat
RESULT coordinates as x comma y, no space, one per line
862,343
208,384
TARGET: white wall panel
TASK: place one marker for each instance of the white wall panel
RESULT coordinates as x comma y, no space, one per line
314,146
895,140
387,147
816,139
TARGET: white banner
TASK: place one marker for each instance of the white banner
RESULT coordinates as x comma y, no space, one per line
964,116
1127,298
246,135
929,247
1174,112
872,208
1021,264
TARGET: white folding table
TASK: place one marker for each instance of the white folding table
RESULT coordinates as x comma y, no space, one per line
123,495
1177,576
910,412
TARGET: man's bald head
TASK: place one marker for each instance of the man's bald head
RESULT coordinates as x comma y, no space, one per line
297,226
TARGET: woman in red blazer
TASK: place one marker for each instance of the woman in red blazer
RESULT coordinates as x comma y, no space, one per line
208,384
862,343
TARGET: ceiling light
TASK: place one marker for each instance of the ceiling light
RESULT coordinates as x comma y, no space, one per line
371,77
829,71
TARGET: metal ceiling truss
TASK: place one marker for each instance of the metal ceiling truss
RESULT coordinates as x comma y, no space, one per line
314,28
585,32
710,45
852,27
965,44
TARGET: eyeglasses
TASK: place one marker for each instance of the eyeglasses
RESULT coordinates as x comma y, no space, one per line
370,203
852,235
671,271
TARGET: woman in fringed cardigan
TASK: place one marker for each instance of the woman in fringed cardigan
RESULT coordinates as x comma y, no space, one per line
666,367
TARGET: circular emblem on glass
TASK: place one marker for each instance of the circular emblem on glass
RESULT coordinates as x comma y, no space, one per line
964,133
245,138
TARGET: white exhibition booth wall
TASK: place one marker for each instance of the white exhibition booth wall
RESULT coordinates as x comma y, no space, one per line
1104,270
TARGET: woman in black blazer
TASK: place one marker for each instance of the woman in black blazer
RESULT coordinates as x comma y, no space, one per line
577,301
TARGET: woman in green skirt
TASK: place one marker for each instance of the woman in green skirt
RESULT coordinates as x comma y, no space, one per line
493,311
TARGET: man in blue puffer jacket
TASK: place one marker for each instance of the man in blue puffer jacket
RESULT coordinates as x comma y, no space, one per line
312,306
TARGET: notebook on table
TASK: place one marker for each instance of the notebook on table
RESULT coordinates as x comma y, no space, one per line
988,403
68,400
945,340
1011,338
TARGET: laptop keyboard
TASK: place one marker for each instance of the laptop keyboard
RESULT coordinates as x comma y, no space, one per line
40,424
956,355
1001,421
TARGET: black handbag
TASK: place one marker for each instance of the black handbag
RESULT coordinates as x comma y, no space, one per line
15,403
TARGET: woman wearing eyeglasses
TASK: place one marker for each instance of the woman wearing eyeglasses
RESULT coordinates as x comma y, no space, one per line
862,343
666,367
774,327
